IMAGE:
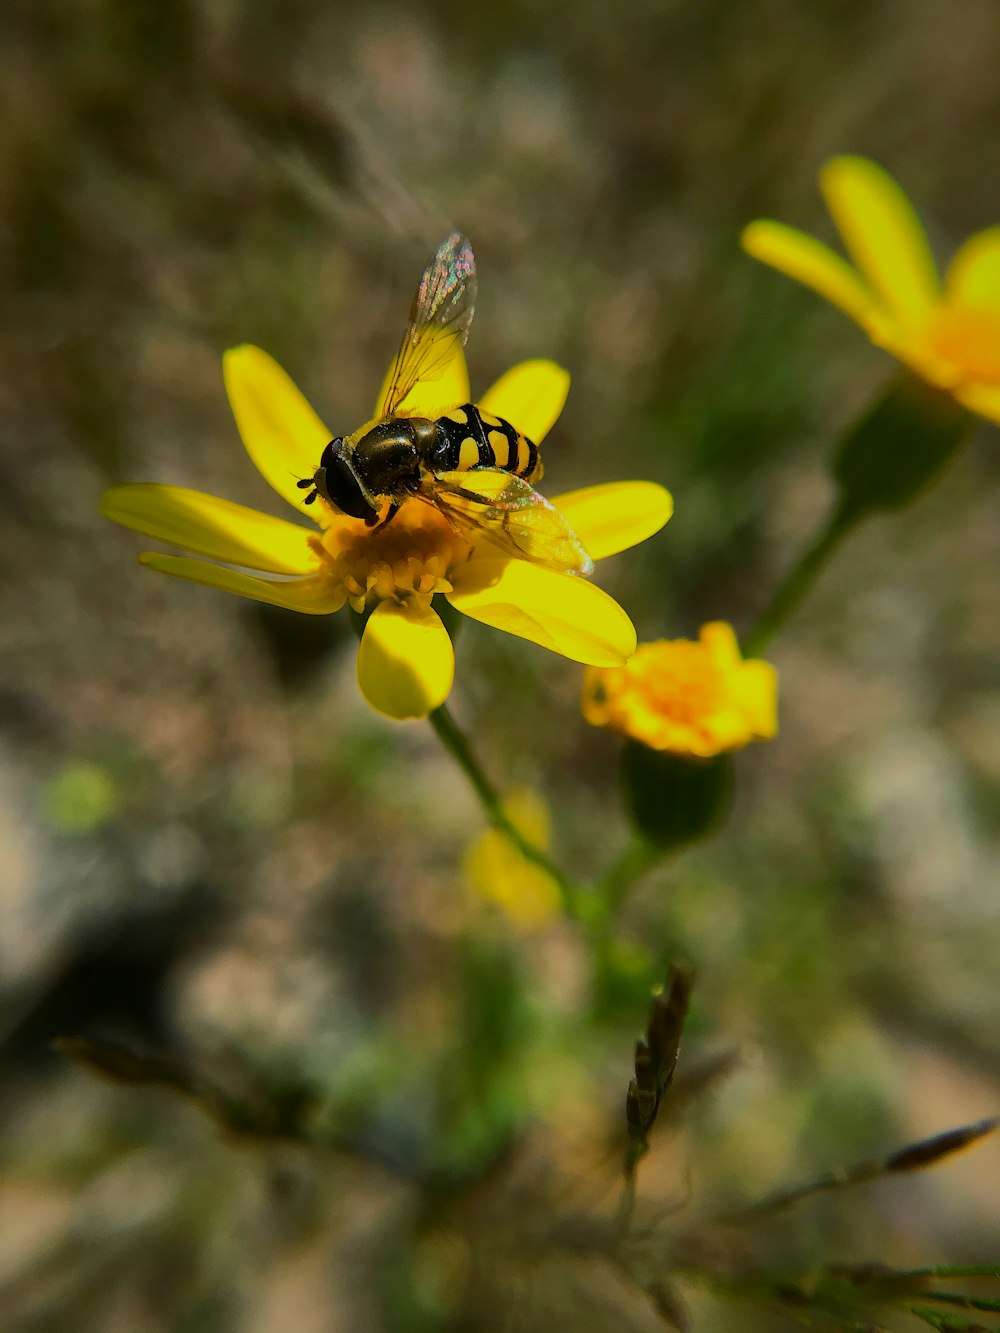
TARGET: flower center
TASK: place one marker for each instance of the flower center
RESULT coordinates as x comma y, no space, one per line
969,337
679,681
409,557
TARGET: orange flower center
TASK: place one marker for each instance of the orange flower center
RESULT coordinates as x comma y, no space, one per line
680,681
409,557
969,338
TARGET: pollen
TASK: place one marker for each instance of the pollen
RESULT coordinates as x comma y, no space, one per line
407,559
969,339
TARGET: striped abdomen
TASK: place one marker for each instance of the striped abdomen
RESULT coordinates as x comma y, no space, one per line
470,438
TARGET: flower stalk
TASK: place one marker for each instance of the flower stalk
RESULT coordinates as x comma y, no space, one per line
799,581
458,746
636,858
884,461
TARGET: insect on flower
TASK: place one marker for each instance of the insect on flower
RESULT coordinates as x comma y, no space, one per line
433,498
475,468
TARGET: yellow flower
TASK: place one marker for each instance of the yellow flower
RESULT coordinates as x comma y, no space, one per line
497,871
406,661
949,334
694,698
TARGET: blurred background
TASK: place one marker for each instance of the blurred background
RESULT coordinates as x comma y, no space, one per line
210,847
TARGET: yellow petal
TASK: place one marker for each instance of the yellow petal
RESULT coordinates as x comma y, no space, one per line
430,398
883,235
530,396
316,596
811,262
406,663
281,432
983,399
613,517
974,275
210,526
563,613
757,694
719,638
498,872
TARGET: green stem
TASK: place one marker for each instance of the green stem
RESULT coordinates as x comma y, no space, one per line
457,744
798,582
626,1203
635,858
890,455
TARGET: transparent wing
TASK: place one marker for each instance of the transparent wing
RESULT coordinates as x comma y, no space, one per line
439,323
492,504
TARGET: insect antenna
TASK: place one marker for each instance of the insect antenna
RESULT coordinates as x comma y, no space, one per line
305,484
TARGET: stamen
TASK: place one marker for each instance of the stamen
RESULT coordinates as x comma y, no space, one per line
404,560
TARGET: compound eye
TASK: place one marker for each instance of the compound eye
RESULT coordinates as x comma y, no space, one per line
342,486
331,452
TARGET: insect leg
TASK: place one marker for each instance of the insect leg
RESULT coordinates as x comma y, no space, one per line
375,523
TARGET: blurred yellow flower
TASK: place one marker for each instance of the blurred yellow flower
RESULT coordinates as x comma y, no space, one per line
498,873
405,662
949,334
693,698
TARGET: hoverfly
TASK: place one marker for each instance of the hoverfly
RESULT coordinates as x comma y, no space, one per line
473,468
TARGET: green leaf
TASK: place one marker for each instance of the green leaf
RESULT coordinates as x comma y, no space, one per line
945,1323
991,1304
